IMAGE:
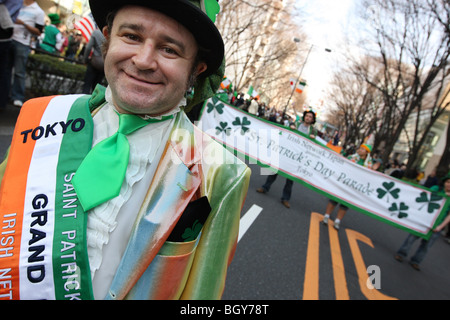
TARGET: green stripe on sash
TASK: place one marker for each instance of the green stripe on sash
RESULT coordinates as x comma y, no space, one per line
71,273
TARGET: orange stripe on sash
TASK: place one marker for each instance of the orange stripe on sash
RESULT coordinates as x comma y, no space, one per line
12,196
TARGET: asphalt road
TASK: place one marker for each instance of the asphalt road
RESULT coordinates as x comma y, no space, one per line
8,117
288,254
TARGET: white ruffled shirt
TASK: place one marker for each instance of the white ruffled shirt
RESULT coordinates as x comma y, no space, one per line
110,224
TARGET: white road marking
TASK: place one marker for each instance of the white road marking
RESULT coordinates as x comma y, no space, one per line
247,220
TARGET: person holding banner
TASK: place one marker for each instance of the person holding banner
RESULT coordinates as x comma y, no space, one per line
425,245
117,195
306,126
363,158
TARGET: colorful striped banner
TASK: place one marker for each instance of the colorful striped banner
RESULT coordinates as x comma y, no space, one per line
42,241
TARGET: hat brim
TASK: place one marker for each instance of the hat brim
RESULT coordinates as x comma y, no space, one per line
183,11
365,147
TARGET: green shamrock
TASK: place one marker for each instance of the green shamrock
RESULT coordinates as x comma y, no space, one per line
243,124
400,209
431,205
216,104
223,128
190,234
388,190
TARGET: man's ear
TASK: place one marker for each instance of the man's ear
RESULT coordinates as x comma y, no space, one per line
105,31
105,45
201,67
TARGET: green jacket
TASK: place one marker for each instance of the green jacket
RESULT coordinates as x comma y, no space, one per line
49,42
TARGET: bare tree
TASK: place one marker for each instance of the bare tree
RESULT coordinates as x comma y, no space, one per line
443,167
441,10
259,44
356,106
413,51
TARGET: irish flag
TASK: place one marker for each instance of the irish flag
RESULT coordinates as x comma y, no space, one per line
252,92
226,83
300,86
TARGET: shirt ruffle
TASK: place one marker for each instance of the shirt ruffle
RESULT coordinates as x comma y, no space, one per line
144,144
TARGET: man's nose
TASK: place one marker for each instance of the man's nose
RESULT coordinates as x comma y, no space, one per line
146,57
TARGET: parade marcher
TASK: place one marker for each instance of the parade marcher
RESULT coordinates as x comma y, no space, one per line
306,127
431,180
363,158
254,106
425,245
118,195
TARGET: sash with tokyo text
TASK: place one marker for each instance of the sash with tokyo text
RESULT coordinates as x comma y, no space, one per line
43,252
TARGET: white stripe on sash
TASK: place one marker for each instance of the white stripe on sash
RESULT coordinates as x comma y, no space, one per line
36,246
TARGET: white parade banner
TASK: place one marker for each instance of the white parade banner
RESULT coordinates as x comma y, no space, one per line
291,154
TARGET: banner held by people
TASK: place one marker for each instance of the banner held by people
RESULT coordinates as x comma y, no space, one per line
311,163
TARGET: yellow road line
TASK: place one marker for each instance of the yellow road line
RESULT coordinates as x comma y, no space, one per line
340,282
311,283
370,293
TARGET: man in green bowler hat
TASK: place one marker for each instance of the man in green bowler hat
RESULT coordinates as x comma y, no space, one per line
117,195
53,38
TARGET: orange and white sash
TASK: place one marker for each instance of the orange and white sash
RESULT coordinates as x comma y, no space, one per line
43,253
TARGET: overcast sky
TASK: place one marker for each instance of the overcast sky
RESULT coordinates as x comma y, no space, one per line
325,23
326,20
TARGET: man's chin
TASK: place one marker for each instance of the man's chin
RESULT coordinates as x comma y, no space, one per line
142,108
138,102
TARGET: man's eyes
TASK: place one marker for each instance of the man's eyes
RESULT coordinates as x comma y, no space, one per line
131,36
166,49
170,50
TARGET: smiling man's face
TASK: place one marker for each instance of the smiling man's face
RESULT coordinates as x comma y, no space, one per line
149,61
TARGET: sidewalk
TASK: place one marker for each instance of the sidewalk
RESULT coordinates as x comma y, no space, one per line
8,117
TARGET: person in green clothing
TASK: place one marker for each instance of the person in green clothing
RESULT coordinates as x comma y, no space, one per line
425,245
363,158
52,36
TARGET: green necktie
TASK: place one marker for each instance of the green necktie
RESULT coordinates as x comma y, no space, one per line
101,174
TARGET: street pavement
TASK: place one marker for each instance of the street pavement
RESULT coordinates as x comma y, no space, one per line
8,117
288,254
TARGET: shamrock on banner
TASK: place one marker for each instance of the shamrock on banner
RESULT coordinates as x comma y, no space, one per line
388,190
309,162
431,202
244,123
240,123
